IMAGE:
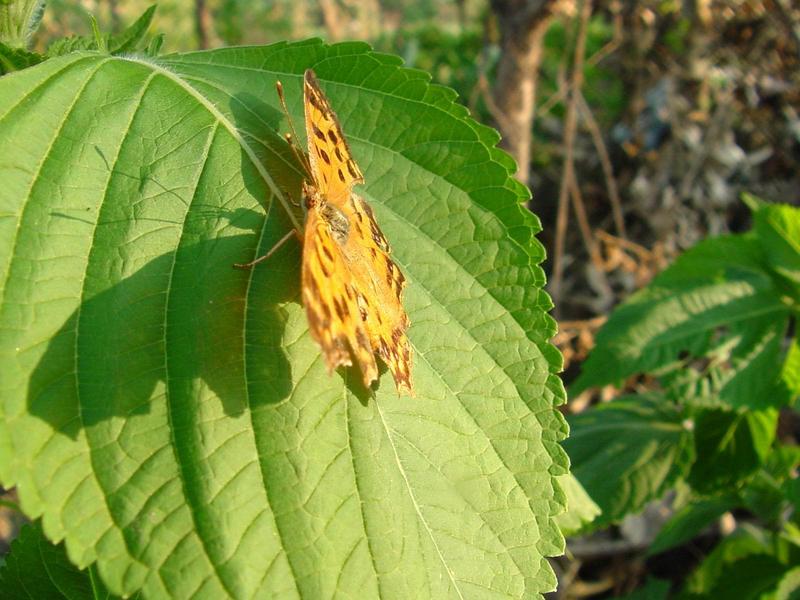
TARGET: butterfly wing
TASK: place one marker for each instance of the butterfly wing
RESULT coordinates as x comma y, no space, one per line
332,166
379,285
352,289
330,299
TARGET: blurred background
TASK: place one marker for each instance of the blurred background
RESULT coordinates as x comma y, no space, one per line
636,125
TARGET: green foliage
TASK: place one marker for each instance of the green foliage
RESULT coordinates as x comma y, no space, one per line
628,452
712,324
450,57
35,568
712,330
732,445
581,509
602,88
14,59
690,520
131,40
19,19
169,416
748,564
653,589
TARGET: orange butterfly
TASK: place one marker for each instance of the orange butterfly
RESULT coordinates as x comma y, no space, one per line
351,288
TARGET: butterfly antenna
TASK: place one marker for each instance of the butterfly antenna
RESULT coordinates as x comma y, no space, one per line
292,138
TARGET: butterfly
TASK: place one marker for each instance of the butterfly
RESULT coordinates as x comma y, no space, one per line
351,289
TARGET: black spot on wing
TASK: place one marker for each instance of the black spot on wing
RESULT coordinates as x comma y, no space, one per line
318,133
340,307
327,252
397,334
324,268
324,156
327,311
314,99
389,272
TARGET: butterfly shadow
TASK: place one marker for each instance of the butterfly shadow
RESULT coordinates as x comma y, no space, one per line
184,328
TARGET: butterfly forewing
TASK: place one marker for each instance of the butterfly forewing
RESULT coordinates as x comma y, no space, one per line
352,290
332,165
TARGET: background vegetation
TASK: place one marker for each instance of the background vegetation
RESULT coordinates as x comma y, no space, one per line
658,139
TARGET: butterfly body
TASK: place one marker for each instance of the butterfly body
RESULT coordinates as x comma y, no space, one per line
351,288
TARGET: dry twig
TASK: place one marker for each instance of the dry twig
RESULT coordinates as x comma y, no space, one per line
569,155
605,162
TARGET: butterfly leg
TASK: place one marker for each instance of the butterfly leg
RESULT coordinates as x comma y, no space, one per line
272,251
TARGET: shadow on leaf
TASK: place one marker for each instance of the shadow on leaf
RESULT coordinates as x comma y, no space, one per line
178,320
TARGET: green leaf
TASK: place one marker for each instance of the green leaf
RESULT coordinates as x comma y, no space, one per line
748,563
730,446
765,494
170,417
689,521
778,228
791,488
717,303
628,452
19,20
581,509
789,586
129,41
16,59
653,589
790,372
35,568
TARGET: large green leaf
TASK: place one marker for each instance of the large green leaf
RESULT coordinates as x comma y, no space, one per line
628,452
169,416
713,323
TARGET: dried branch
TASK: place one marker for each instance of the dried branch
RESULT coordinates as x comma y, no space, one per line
570,127
605,162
